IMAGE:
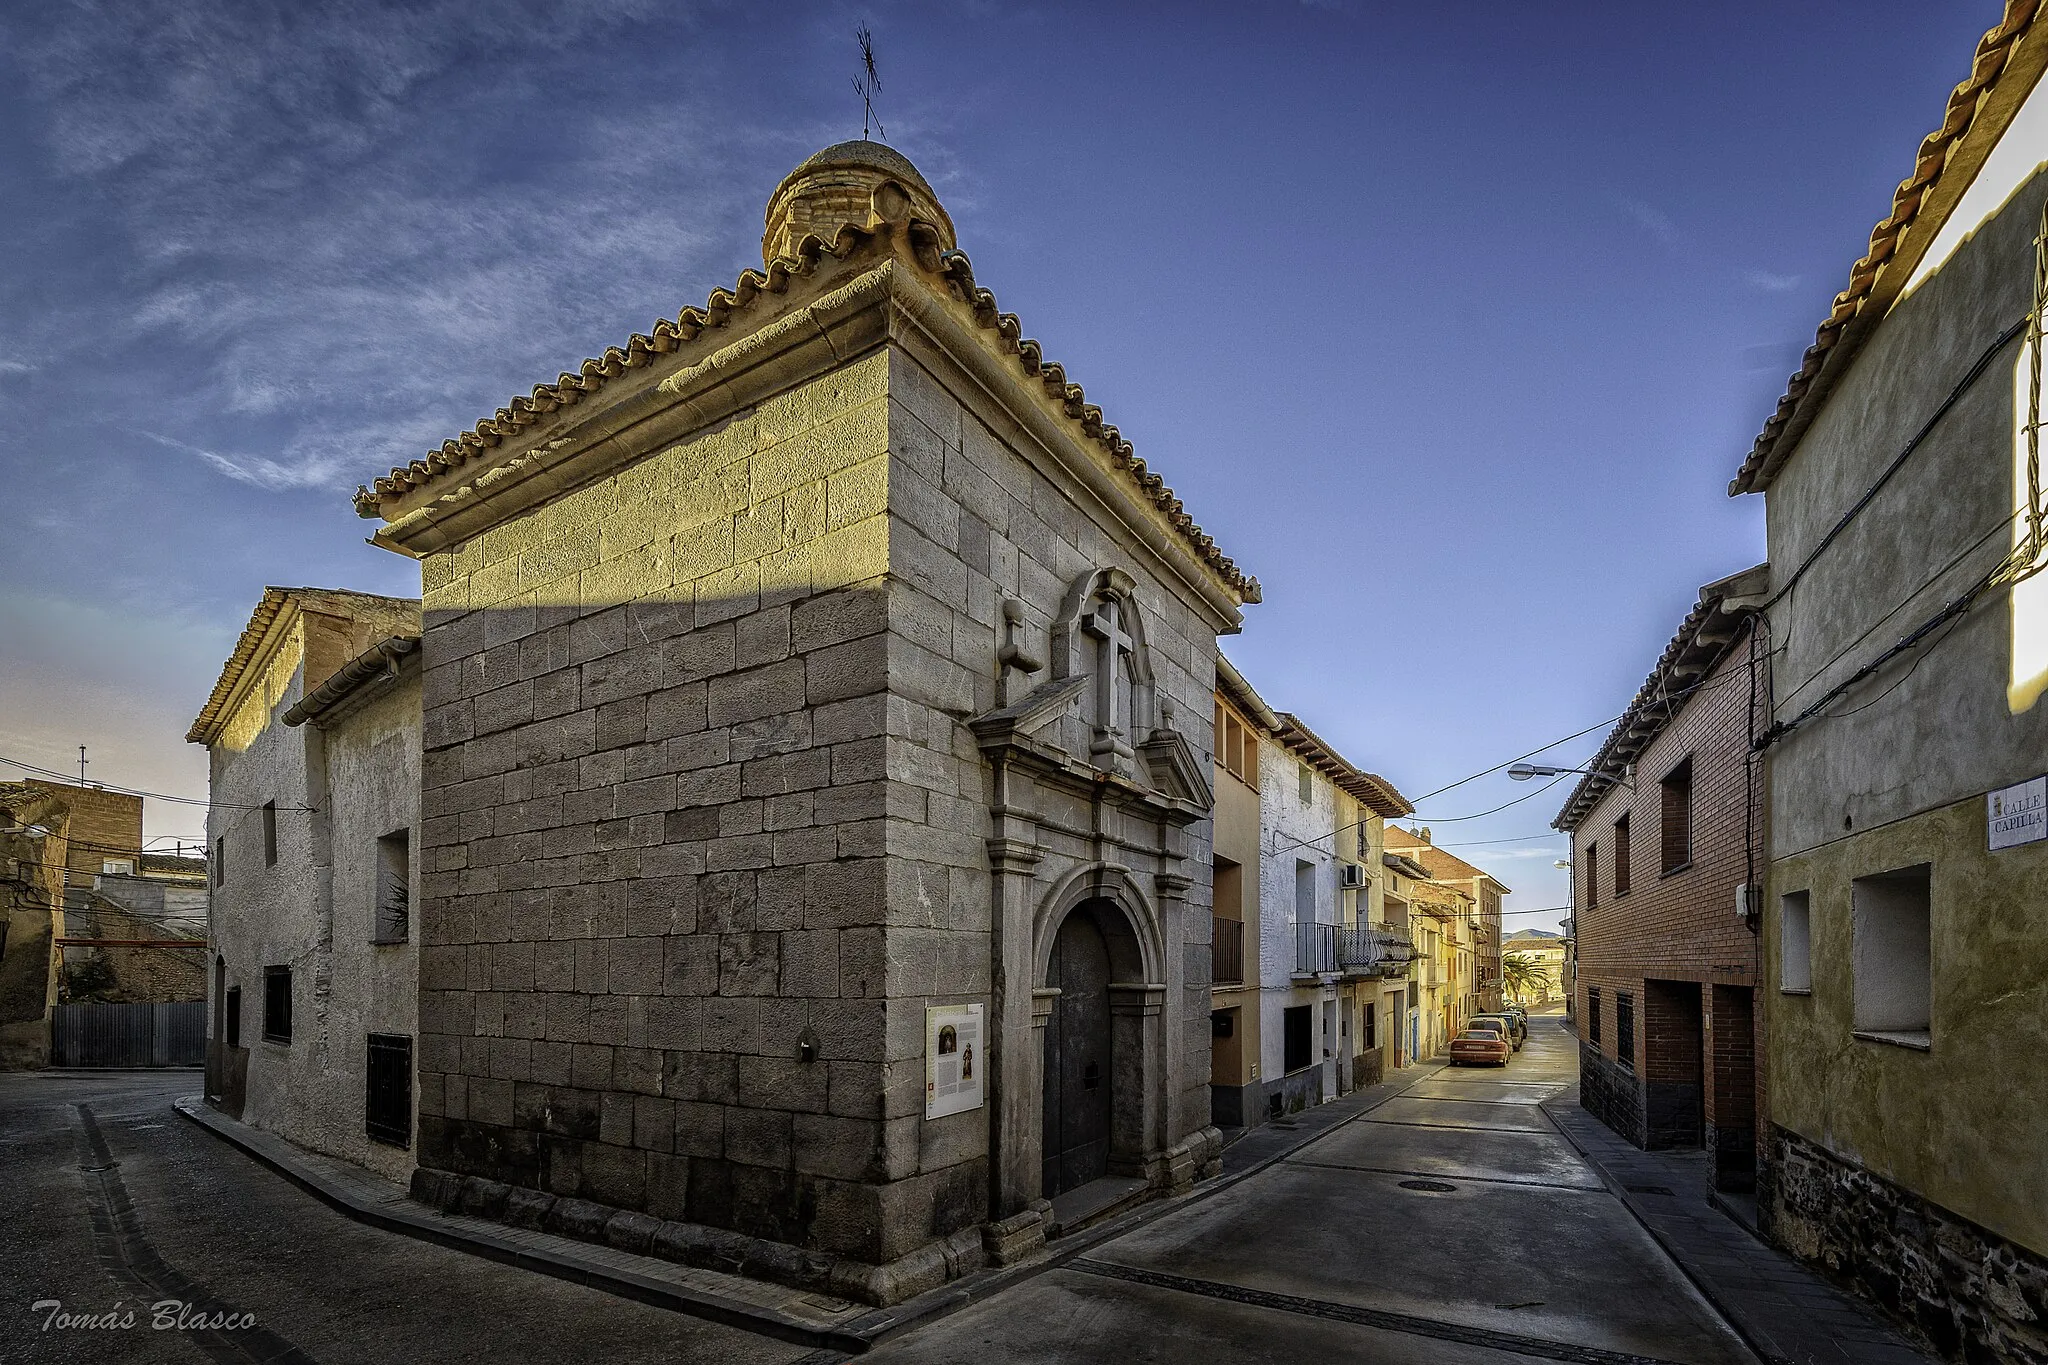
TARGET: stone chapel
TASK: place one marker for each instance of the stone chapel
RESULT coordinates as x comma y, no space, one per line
815,814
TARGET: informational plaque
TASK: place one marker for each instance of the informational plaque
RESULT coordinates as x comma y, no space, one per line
2018,814
955,1060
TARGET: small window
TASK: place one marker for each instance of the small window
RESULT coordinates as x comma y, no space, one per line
1621,856
1592,875
1297,1033
277,1004
1625,1029
1795,943
234,1020
1891,923
1304,892
117,867
1372,1032
1364,845
393,912
387,1102
1305,779
220,861
270,834
1593,1015
1677,797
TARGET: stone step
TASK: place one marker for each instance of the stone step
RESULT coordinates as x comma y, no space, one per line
1095,1202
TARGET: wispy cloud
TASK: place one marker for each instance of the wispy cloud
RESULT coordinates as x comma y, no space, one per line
326,284
312,470
1680,241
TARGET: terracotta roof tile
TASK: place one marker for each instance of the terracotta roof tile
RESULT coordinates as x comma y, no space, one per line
1837,337
724,306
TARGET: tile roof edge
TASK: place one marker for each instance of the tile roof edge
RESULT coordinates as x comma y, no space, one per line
665,336
1735,596
381,660
1876,278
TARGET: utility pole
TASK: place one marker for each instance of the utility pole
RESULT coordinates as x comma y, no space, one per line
81,765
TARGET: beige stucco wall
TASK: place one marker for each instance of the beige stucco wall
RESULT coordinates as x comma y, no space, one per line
336,790
1961,1122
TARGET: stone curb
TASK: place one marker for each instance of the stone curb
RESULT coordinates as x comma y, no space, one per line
400,1217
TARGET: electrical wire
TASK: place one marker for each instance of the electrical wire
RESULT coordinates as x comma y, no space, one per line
1969,379
65,778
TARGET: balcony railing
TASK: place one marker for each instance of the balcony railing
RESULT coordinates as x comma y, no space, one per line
1328,949
1226,953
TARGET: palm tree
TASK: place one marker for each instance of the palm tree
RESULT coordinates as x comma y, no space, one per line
1523,976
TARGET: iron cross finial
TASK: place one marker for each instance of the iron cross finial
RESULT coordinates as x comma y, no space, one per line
866,84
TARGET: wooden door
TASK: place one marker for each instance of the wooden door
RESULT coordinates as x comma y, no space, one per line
1077,1059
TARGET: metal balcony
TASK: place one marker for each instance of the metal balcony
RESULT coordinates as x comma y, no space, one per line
1226,953
1315,949
1330,949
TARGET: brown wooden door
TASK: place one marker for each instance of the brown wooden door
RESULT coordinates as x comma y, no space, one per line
1077,1084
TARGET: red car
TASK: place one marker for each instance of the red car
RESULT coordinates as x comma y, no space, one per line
1481,1047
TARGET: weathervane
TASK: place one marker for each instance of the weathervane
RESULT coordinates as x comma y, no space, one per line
866,85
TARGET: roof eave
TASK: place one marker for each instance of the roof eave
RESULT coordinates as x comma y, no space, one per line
2008,63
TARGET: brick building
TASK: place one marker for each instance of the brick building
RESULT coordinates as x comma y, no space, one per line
1666,830
1486,890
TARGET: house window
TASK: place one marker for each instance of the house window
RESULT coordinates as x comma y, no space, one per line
1890,918
1677,786
220,861
277,1004
117,867
1625,1029
1795,943
1592,875
1305,780
1621,856
234,1013
387,1102
393,912
1297,1037
1372,1032
1593,1015
270,834
1304,892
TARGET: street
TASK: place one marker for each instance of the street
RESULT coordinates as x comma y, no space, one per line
1449,1224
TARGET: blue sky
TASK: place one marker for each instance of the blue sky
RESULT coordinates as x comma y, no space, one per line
1449,320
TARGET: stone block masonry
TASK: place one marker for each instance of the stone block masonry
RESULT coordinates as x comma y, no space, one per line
1975,1295
658,778
806,680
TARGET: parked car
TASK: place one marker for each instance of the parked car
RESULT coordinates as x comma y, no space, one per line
1481,1046
1518,1029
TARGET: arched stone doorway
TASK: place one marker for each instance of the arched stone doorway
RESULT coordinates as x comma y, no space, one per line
1095,1072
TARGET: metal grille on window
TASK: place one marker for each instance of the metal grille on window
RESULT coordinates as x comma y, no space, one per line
1625,1029
387,1103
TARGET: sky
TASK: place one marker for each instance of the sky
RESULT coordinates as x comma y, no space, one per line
1449,320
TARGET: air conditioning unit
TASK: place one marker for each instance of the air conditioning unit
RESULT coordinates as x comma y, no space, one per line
1351,876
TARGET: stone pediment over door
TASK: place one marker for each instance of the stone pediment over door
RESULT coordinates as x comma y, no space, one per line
1098,716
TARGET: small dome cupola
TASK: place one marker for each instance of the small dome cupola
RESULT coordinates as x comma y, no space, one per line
851,182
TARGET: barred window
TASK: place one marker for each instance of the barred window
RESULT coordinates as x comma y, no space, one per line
277,1004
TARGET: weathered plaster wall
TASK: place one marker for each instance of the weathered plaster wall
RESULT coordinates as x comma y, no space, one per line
1959,1123
1942,730
1896,776
267,914
1294,832
372,761
1237,1097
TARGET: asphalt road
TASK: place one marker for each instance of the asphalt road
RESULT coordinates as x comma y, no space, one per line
185,1216
1450,1225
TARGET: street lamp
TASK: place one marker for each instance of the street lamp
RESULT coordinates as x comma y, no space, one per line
1522,772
